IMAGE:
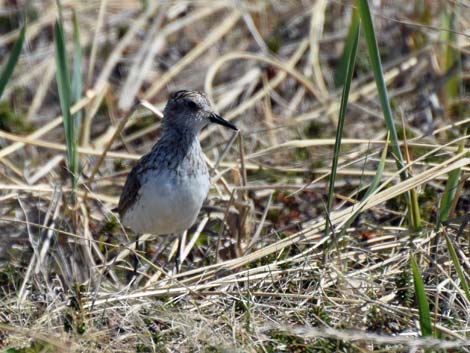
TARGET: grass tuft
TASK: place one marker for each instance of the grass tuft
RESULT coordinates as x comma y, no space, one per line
65,95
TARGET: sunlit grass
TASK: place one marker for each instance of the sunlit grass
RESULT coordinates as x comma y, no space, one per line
259,274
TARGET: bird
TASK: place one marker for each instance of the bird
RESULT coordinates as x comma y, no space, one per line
164,192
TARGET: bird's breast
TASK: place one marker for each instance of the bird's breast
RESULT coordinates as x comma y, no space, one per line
168,201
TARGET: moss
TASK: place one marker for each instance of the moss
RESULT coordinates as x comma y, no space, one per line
325,345
35,347
397,203
275,40
274,215
268,175
8,23
458,110
241,305
290,342
119,166
405,291
319,316
122,30
103,108
371,293
285,342
375,319
142,348
10,121
380,321
74,320
266,260
274,43
10,279
301,154
314,129
111,224
153,333
400,133
317,164
427,203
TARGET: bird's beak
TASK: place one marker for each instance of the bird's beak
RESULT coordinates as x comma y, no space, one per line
214,118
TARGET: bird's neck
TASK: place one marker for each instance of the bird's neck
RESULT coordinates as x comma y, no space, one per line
180,135
179,151
180,141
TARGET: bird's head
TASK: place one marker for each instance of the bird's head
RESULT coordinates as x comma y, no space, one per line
191,111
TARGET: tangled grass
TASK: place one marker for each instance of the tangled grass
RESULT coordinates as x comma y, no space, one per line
259,272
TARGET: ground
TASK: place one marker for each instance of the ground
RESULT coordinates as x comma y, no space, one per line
259,273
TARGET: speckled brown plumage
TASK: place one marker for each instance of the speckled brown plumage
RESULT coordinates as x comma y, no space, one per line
165,190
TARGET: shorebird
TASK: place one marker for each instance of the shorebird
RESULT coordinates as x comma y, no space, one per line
164,192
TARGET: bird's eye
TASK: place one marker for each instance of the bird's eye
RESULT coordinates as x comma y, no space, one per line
192,105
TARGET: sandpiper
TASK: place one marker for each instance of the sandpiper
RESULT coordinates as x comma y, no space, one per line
164,192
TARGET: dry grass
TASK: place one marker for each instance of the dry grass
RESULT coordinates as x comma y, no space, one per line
259,275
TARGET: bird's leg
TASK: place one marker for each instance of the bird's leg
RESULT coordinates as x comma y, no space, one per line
135,258
177,257
179,251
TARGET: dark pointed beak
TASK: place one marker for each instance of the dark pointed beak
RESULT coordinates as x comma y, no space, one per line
214,118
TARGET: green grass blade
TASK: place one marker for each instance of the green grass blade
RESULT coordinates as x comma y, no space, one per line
342,116
451,56
12,60
450,191
373,50
458,268
380,168
448,195
423,305
76,73
373,186
63,85
341,72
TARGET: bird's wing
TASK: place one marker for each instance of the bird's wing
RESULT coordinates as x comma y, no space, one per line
129,192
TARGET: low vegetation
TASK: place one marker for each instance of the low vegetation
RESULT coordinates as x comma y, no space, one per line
337,220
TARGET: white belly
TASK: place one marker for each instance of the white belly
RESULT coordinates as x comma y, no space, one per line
165,206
